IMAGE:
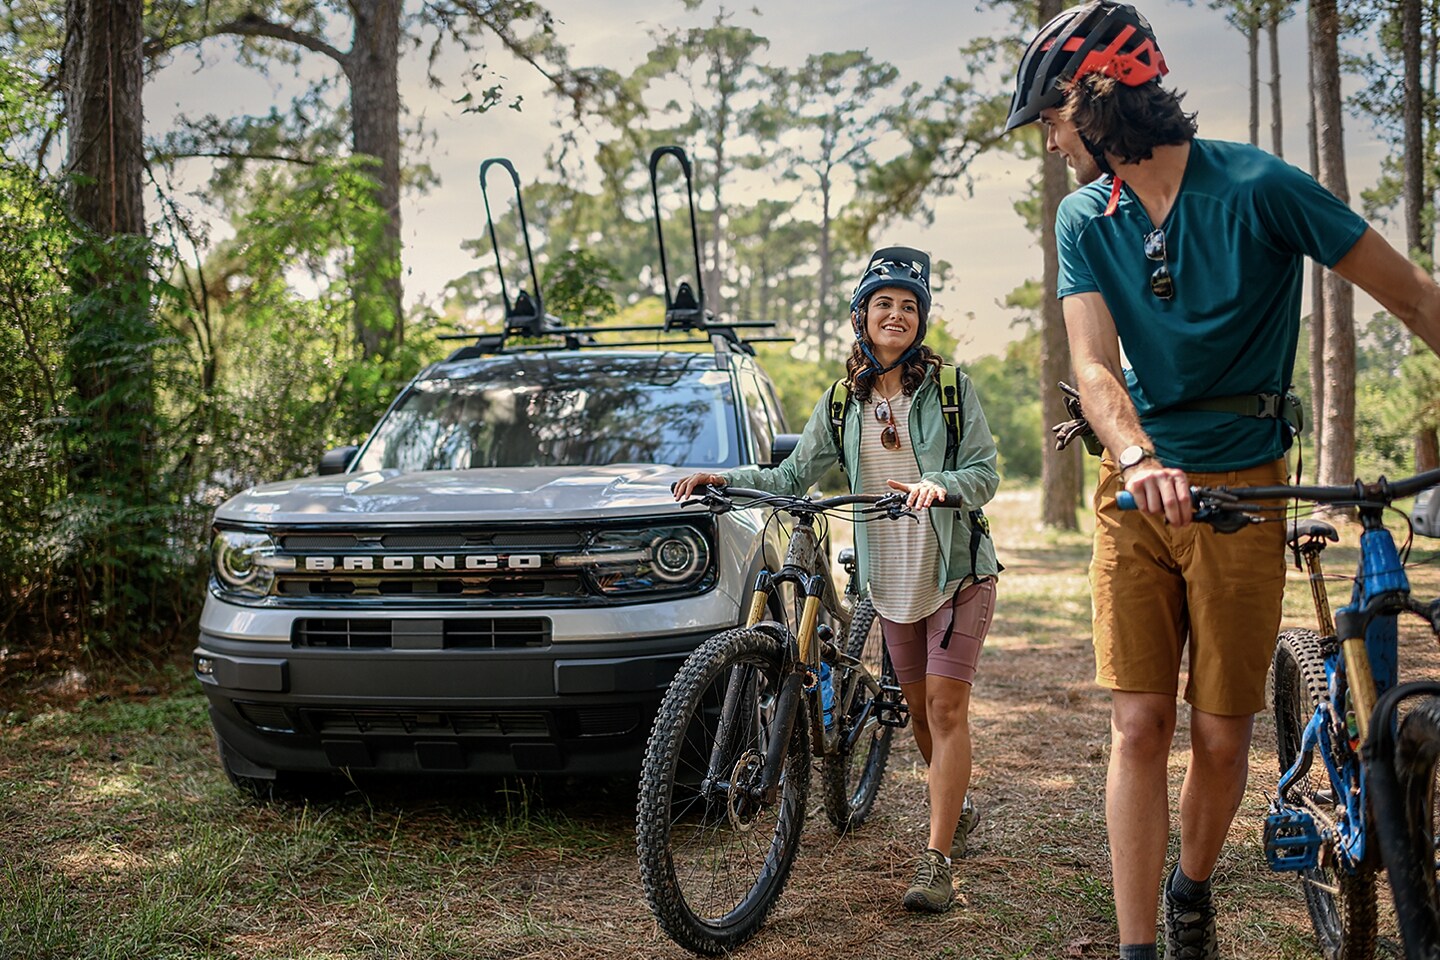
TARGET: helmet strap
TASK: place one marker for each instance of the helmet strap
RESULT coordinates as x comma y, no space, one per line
1098,154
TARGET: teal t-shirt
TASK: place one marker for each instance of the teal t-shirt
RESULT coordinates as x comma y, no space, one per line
1236,240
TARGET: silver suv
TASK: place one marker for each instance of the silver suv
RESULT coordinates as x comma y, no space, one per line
499,580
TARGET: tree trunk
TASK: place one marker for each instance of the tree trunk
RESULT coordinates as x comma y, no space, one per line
373,67
1317,276
1059,469
109,356
1252,45
1416,242
1272,30
1337,461
827,255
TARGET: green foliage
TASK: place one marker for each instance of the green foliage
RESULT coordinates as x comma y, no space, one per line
579,287
1009,389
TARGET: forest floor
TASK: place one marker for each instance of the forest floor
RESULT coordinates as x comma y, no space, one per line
120,837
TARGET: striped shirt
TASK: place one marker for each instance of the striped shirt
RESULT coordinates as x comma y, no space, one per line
904,555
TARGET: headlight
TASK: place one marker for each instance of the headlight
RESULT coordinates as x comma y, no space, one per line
239,561
637,561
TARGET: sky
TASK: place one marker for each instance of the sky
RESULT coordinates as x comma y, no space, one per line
978,233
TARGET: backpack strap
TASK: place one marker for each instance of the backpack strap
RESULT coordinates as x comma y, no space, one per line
950,408
838,402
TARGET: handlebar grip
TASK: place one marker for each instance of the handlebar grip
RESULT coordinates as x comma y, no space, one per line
1125,500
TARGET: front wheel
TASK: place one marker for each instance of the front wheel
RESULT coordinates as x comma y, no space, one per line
1417,765
1341,903
852,774
714,853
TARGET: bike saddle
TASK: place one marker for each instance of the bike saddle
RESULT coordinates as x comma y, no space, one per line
1309,528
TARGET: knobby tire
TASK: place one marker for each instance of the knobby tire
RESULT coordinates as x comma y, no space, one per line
1345,923
851,779
710,874
1417,761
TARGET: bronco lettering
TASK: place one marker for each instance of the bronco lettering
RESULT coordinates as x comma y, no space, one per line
405,564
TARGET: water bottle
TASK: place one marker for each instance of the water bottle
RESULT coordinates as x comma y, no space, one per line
827,695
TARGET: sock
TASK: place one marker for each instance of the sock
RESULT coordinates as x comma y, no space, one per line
1185,890
1138,951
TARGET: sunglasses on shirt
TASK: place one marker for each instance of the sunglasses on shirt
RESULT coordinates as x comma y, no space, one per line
889,436
1162,284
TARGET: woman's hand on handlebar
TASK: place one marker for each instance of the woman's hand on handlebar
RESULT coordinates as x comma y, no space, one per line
919,496
684,489
1161,489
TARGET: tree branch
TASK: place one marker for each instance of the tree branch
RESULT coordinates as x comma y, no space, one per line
254,25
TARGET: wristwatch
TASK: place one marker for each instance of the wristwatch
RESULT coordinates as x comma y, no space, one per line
1132,455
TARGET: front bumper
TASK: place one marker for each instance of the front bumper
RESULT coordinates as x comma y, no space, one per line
573,707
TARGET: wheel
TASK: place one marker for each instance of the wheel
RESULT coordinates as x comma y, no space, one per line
713,861
1341,904
851,778
1417,763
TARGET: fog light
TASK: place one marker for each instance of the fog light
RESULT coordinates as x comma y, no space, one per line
205,666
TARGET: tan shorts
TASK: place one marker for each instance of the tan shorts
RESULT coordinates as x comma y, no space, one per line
1158,588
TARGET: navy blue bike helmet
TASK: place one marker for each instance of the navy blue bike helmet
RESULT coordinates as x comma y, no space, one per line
1097,37
903,267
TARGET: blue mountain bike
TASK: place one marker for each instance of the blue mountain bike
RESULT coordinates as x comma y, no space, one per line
1359,751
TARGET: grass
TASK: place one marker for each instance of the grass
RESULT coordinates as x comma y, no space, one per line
120,838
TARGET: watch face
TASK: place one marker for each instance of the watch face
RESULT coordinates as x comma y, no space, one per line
1131,456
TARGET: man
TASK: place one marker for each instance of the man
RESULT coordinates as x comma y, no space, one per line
1189,252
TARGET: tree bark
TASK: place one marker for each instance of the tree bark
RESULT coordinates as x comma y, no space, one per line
1337,458
1417,244
109,356
1317,272
1252,46
1059,469
373,69
1272,31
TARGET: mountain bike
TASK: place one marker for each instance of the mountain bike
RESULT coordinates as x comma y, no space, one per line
726,774
1337,699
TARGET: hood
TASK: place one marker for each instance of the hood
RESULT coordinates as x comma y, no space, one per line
448,496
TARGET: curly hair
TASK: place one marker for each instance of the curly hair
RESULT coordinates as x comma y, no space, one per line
912,371
1126,122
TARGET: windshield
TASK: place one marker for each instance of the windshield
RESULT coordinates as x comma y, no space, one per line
574,410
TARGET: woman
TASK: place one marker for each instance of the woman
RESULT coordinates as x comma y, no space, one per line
932,584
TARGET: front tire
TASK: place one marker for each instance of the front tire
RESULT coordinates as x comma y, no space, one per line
714,862
852,777
1417,765
1345,919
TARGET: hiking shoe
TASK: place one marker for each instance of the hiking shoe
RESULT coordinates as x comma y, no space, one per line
931,891
1189,928
969,819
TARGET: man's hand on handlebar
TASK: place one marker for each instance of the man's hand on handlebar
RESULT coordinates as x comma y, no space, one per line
919,496
685,489
1160,489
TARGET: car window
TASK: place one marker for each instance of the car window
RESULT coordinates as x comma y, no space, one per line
762,434
572,411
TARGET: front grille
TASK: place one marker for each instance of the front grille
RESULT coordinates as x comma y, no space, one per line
458,633
498,723
419,566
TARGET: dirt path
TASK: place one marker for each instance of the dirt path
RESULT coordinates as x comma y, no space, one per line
120,838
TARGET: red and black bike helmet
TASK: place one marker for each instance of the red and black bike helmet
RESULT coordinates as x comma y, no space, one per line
1097,37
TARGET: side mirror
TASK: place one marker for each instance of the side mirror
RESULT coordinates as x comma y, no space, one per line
783,446
337,460
1426,515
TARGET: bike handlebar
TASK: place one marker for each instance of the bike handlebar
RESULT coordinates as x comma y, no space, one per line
1225,510
785,501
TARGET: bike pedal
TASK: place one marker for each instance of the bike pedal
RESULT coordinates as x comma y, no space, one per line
1292,841
892,713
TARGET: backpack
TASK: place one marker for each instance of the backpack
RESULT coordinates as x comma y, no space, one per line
838,402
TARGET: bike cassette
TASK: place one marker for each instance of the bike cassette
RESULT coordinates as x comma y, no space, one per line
1292,841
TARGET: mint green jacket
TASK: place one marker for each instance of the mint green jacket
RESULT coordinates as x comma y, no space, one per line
973,481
